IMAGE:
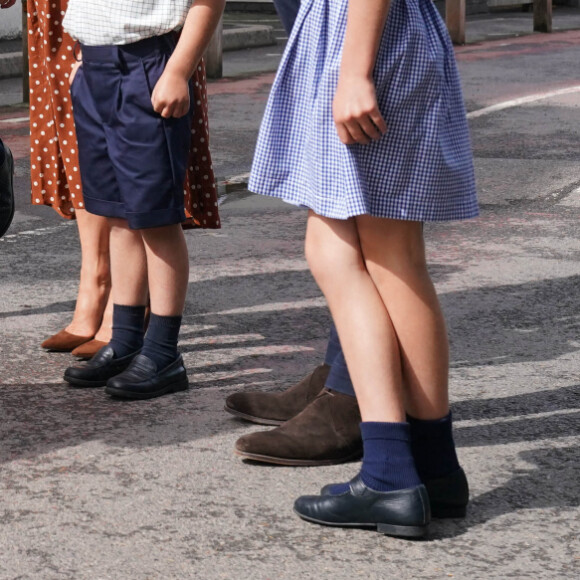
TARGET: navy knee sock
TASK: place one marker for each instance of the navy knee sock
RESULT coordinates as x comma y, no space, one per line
128,330
433,447
161,340
387,463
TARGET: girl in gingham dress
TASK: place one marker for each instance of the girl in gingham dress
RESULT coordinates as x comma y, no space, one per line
366,127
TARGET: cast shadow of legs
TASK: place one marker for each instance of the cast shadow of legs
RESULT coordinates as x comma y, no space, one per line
551,481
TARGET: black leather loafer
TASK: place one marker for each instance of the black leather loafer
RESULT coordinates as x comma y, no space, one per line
97,371
403,513
6,191
448,496
141,380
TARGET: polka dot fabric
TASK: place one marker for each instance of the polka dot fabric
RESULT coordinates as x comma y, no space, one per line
54,165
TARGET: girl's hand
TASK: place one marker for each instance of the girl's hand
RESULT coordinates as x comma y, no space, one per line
170,96
356,112
7,3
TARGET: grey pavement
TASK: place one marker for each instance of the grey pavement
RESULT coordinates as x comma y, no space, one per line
93,488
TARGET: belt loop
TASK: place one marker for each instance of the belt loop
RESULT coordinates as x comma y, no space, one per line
121,60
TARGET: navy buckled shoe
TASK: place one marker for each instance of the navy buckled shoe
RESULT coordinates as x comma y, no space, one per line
448,495
402,513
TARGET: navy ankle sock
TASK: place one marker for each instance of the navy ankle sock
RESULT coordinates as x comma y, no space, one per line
387,463
127,329
433,447
161,340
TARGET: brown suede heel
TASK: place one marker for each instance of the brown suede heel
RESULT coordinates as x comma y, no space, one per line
276,408
64,341
324,433
88,349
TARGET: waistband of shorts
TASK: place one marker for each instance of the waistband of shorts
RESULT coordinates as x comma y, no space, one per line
113,53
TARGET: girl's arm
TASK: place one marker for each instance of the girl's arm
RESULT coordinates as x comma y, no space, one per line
356,113
170,96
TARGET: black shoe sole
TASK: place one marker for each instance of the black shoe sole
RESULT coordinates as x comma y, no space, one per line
82,384
298,462
382,528
444,512
252,419
180,385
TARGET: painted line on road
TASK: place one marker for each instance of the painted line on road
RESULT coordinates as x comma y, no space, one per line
15,120
38,232
238,181
522,101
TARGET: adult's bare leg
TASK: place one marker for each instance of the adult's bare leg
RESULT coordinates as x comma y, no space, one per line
105,331
95,276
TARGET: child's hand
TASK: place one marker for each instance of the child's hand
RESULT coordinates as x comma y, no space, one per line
356,112
73,71
170,96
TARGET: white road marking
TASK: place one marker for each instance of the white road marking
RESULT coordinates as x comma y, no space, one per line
242,178
572,199
270,307
522,101
15,120
38,232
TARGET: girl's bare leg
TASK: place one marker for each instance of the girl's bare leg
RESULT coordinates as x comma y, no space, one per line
374,276
394,255
366,333
95,278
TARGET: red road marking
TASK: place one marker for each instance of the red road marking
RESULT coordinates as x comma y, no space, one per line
247,86
530,44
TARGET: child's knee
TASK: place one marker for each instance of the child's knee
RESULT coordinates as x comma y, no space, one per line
330,264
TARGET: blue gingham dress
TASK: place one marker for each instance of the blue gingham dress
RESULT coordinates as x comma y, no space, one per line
421,169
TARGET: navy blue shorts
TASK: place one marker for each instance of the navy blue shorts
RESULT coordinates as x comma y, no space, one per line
132,161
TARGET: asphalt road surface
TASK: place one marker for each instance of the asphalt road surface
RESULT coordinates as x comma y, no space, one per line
93,488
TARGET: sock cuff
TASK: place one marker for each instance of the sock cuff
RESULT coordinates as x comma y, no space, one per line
430,428
165,321
378,430
129,309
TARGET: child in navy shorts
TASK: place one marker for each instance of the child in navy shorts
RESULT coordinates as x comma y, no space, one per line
132,112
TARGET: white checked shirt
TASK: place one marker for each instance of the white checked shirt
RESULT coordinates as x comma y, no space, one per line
105,22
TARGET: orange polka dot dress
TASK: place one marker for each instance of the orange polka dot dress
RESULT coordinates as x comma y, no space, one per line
54,166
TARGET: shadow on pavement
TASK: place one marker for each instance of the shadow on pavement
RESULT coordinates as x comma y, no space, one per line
551,481
490,326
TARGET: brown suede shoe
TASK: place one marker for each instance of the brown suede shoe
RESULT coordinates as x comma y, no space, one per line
325,433
64,341
88,349
276,408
